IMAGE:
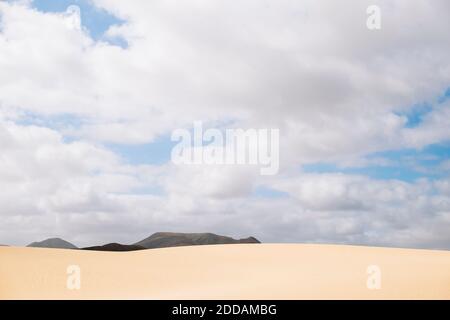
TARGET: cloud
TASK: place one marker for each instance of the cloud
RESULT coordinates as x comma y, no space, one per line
336,91
312,69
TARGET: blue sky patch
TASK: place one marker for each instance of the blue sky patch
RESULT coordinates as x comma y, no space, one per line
406,165
445,96
416,114
95,20
266,192
156,153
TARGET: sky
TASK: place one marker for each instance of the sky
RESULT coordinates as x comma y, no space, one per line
91,90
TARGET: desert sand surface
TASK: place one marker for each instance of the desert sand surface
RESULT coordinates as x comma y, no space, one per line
266,271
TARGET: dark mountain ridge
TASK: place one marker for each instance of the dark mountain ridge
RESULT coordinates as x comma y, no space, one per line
172,239
156,240
115,247
57,243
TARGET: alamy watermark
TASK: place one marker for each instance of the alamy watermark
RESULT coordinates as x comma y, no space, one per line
235,146
373,21
73,277
374,277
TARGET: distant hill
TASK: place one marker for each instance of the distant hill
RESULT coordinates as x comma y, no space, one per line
115,247
53,243
157,240
172,239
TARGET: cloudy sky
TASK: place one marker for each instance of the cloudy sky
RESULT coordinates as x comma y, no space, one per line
90,91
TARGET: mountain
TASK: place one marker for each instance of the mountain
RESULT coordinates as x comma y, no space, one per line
115,247
171,239
53,243
157,240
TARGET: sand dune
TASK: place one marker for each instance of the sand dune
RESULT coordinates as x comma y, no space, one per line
267,271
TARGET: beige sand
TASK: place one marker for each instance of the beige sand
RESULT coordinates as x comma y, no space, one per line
268,271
